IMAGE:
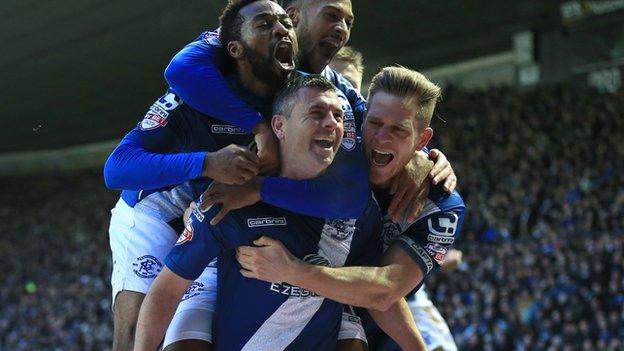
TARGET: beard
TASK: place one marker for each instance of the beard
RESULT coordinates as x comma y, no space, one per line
313,55
264,68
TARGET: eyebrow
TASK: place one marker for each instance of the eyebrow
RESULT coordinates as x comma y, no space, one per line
339,9
404,123
318,105
324,105
265,15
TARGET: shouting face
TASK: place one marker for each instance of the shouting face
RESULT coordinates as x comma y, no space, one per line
391,135
268,41
311,135
323,27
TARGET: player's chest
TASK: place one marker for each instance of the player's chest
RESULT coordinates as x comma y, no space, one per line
318,241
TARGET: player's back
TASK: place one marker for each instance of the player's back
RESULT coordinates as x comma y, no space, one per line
256,315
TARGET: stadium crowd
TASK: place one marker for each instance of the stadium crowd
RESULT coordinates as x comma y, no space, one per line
55,259
541,173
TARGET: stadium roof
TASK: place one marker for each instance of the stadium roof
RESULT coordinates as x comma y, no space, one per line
81,71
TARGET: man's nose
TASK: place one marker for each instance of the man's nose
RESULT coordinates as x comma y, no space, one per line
280,30
343,29
330,120
382,135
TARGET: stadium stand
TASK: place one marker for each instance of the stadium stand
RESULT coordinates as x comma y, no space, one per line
542,174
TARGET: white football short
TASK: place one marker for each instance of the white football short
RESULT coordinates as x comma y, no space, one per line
193,317
139,244
351,326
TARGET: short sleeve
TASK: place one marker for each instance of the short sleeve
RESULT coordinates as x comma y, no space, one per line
428,240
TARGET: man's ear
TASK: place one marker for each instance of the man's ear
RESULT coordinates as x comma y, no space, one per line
235,49
277,123
294,13
425,137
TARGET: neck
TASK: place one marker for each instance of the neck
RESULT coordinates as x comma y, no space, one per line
291,167
296,174
251,82
306,64
381,186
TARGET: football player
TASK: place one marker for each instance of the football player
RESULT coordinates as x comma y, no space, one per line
324,27
255,315
396,126
350,63
433,327
175,152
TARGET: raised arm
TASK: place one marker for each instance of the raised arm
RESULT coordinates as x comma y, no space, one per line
342,192
149,156
132,167
194,75
152,155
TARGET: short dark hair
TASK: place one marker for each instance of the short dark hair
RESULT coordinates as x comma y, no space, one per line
231,22
284,101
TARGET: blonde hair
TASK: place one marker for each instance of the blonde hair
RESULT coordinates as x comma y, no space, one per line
411,86
351,56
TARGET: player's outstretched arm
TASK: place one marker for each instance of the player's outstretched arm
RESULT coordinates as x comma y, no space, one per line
399,324
133,166
342,192
369,287
193,74
158,308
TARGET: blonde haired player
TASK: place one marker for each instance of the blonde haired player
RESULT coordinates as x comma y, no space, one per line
350,63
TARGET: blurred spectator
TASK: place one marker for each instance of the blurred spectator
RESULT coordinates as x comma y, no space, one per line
55,259
547,294
539,163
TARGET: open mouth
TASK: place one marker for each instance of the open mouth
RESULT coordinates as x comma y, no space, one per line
332,42
325,143
381,158
284,55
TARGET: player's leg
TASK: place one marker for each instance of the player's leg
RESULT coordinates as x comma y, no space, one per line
351,336
125,314
139,244
191,326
